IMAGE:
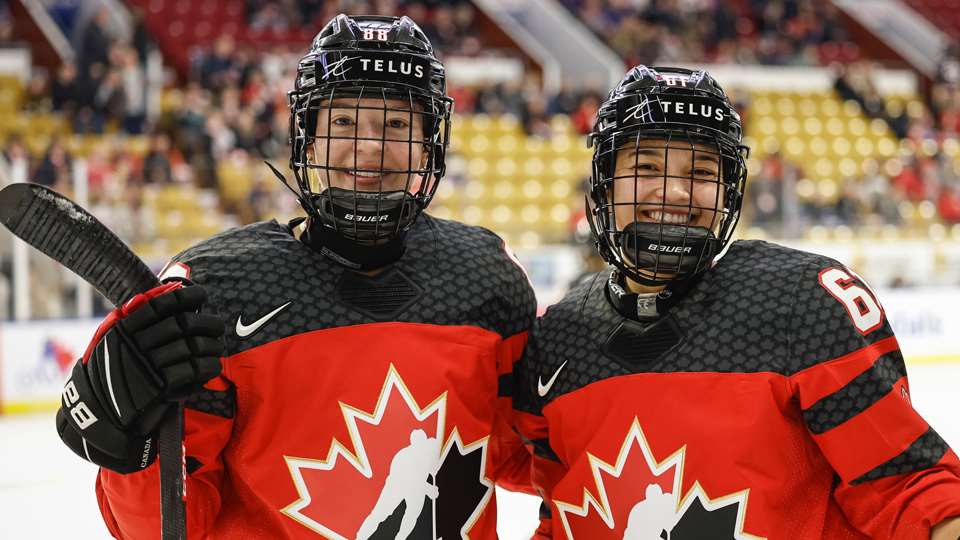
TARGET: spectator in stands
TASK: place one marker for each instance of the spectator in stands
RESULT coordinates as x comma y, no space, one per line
586,114
260,200
157,168
563,102
276,17
909,180
95,40
190,119
140,40
89,118
766,192
854,82
664,13
36,96
15,149
502,98
661,31
100,169
847,207
465,19
945,107
880,198
632,40
244,131
6,25
109,101
216,65
948,203
134,89
535,120
54,169
63,91
222,138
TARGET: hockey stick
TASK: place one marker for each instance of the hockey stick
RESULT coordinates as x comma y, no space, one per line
62,230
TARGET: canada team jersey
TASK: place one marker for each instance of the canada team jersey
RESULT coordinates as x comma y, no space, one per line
770,401
349,406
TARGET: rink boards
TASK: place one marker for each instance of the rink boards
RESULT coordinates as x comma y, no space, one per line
36,356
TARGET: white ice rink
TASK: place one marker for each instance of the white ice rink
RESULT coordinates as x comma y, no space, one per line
47,492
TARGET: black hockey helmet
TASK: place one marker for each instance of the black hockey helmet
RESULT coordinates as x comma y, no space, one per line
373,67
654,110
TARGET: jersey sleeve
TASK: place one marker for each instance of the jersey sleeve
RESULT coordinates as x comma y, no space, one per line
896,477
130,504
533,428
512,457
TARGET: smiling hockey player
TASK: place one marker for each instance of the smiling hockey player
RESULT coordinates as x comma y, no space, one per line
758,393
353,336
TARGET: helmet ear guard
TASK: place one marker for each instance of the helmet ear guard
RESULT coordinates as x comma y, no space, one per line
666,105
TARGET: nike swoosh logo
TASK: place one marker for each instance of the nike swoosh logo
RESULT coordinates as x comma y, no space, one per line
544,389
244,330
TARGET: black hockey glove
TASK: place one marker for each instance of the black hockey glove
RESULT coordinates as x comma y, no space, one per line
155,349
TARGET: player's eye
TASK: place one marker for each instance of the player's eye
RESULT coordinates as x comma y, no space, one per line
701,172
397,123
646,168
342,121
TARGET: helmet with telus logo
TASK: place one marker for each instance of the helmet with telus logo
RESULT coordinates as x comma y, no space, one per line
358,64
661,111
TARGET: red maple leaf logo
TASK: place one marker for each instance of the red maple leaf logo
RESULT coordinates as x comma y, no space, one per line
61,354
638,497
326,506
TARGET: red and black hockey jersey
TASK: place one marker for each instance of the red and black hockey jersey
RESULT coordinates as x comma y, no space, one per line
349,406
770,401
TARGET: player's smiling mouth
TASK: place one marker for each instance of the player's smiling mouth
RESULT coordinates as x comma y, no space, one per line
670,217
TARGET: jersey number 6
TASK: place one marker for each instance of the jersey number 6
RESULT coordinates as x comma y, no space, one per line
865,312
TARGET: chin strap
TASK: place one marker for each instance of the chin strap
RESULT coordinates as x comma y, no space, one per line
637,306
645,307
328,243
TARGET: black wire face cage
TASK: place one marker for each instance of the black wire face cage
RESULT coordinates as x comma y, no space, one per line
665,202
368,158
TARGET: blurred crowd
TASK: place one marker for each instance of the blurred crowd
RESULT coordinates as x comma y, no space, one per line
451,25
919,185
215,126
232,109
6,25
776,32
900,191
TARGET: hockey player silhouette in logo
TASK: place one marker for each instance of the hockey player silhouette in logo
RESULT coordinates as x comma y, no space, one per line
408,482
652,518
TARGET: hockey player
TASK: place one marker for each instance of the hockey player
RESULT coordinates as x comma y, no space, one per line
350,335
687,393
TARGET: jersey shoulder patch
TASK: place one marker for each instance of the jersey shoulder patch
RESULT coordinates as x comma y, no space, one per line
831,310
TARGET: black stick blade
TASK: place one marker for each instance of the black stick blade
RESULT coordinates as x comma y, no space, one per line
61,229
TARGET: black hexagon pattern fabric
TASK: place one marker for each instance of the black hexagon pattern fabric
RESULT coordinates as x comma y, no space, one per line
464,275
761,309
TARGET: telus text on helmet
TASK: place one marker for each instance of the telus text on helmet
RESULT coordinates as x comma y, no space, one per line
388,66
691,109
